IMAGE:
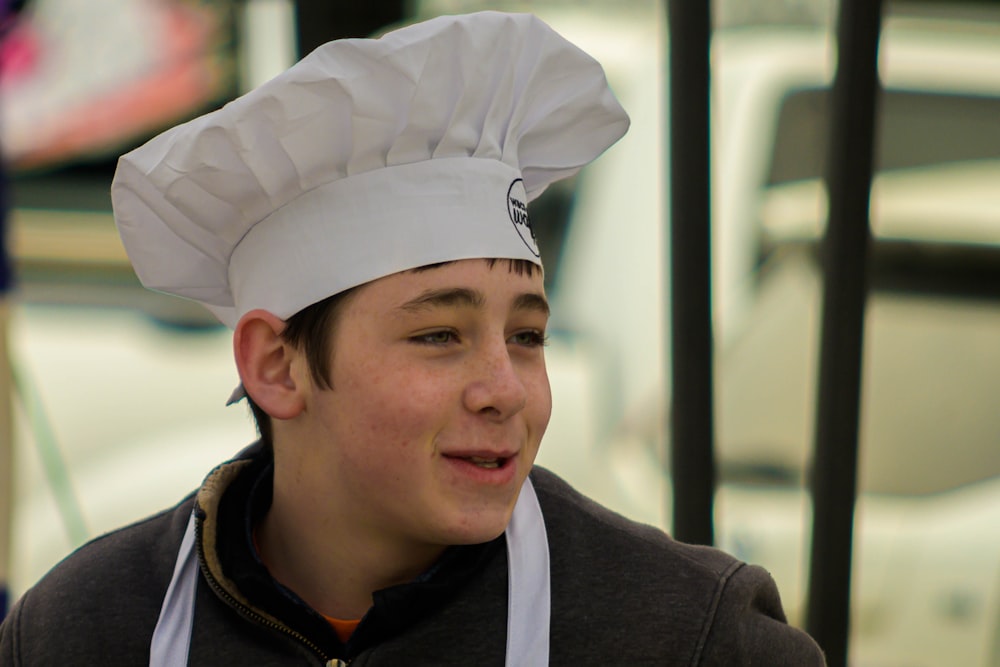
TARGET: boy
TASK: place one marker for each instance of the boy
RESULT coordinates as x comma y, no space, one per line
360,222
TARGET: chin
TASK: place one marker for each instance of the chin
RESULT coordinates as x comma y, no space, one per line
479,529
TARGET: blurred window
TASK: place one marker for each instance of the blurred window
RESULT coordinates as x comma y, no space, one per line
915,129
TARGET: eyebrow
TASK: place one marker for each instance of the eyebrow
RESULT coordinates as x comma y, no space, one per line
532,301
467,298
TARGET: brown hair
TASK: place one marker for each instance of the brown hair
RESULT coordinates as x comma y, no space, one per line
311,330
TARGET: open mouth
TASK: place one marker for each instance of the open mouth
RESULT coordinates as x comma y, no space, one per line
484,462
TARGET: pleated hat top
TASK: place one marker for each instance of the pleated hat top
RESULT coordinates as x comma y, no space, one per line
366,158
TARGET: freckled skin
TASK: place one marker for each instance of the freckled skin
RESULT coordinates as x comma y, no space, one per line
413,385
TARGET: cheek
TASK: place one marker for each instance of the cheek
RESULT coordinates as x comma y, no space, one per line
374,443
540,399
390,409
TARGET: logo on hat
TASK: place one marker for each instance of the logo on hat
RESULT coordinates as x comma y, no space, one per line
517,209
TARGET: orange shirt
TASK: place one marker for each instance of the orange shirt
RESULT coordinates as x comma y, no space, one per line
344,629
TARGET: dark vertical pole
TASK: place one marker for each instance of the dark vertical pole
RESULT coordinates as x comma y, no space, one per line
845,257
691,413
319,21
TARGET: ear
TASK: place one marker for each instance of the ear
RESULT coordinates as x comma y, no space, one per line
267,364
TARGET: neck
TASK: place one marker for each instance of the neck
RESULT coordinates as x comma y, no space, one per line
333,564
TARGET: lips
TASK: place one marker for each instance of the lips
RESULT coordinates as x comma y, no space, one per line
483,460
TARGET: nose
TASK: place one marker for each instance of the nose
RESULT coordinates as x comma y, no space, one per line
495,388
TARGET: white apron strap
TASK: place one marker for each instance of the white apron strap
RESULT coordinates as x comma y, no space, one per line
528,596
172,635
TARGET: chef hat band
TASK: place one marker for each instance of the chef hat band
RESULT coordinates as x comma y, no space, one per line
366,158
386,221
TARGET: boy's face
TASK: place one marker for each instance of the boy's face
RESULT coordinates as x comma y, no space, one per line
440,398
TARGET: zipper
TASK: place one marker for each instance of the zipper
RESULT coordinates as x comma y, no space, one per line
250,613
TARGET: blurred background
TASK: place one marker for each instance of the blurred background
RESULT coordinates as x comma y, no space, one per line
112,396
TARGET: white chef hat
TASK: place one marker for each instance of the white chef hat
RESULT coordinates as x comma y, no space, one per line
368,157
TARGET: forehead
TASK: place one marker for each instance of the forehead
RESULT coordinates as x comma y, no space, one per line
499,281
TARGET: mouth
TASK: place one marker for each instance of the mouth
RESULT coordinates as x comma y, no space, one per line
483,468
488,463
483,461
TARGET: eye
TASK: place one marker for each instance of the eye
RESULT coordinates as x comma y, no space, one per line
439,337
529,338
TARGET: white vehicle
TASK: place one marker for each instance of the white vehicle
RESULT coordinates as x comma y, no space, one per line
927,576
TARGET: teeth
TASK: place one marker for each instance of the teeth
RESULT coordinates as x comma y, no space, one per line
485,463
